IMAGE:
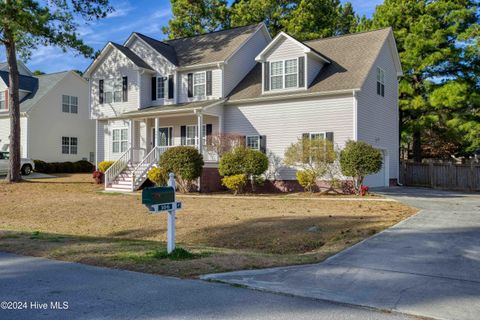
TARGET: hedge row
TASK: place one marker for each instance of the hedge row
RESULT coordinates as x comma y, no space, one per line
81,166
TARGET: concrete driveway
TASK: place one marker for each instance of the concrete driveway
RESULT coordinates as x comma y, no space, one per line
101,293
427,265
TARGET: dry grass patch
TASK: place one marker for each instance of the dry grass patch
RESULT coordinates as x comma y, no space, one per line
69,218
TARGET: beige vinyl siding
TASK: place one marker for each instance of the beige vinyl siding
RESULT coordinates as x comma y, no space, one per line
101,146
377,115
107,137
313,67
284,122
161,65
115,64
5,134
243,60
284,49
48,124
216,86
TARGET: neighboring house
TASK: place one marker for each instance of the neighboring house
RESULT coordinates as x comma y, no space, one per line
149,95
55,121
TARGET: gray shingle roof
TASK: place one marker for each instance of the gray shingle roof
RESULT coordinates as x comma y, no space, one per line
25,82
206,48
351,56
161,47
132,56
45,83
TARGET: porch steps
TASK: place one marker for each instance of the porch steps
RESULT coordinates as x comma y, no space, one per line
123,182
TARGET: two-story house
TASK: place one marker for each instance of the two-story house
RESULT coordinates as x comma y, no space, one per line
149,95
55,124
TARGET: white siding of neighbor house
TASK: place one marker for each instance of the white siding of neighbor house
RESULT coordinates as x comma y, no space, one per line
5,134
243,60
115,64
217,86
161,65
48,124
377,115
284,122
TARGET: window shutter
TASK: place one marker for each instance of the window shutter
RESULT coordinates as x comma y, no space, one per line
100,91
329,136
263,144
183,135
209,83
266,77
301,72
170,86
6,99
209,133
125,89
154,88
190,85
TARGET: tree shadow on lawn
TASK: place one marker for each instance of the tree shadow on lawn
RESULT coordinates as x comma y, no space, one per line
289,234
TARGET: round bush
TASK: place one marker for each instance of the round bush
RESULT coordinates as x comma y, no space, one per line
158,176
359,159
104,165
307,179
236,183
41,166
185,162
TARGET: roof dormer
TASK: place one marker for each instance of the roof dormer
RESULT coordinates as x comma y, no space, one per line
288,64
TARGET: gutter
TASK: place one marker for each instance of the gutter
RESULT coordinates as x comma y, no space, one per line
292,96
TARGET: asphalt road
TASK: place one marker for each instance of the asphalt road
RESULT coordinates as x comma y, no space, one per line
101,293
427,265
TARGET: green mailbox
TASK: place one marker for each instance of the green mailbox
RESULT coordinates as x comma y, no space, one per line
158,195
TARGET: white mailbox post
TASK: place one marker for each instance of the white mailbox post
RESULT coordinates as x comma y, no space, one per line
171,216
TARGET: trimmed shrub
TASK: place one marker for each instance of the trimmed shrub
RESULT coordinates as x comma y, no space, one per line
64,167
158,176
359,159
185,162
236,183
307,179
98,176
104,165
241,160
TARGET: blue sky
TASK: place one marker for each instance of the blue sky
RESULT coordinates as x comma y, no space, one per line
144,16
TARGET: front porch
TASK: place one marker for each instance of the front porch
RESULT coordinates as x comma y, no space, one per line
152,133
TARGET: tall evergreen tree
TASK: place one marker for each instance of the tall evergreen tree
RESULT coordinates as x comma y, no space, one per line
438,42
193,17
25,24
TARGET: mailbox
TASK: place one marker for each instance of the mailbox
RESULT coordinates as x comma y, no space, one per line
158,195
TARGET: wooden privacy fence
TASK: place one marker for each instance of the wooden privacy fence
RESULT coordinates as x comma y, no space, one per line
465,177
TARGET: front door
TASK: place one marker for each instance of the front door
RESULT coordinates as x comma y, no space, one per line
166,136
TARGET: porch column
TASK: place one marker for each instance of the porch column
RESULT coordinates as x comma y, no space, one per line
220,124
200,132
132,139
157,133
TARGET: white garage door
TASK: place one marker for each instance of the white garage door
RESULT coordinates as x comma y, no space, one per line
380,178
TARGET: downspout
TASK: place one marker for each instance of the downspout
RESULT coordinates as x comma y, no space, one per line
355,116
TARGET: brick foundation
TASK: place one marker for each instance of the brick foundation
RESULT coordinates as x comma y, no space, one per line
211,181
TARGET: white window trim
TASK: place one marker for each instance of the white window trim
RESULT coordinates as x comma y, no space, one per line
252,136
324,133
2,99
165,88
70,104
172,143
114,79
284,74
381,81
204,131
120,140
204,84
69,145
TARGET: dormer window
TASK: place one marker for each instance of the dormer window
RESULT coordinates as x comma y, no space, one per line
284,74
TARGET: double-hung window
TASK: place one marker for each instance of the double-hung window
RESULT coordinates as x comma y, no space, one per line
119,140
113,90
380,82
284,74
3,101
253,142
317,136
162,87
69,145
69,104
191,135
199,84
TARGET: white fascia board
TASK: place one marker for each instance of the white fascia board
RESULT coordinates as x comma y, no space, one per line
306,49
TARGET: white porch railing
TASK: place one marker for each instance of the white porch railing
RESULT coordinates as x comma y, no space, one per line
117,167
139,174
